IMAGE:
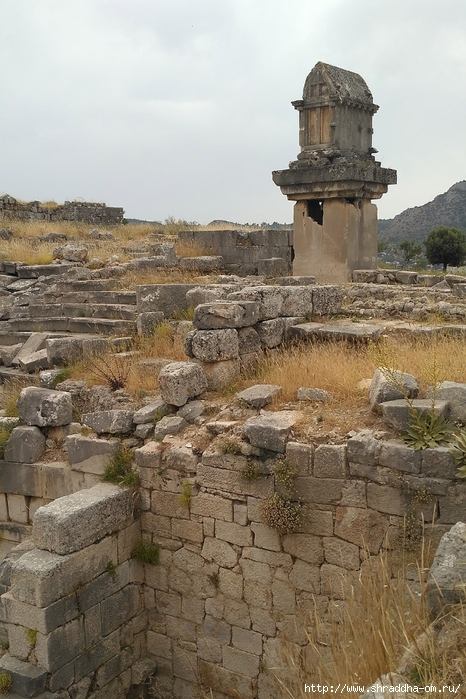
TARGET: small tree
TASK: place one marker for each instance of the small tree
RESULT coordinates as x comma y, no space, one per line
446,246
409,250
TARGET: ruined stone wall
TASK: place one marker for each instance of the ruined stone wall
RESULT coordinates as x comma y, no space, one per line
87,212
75,614
267,251
229,587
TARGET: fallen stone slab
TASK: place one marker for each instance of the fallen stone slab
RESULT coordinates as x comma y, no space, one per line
317,395
44,408
169,425
446,583
75,521
260,395
397,412
270,430
35,360
89,455
391,384
455,394
150,412
180,381
110,421
33,272
34,343
191,410
8,354
352,332
21,284
225,314
25,445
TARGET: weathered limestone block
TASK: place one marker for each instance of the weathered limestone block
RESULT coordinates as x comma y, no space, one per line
26,445
203,263
34,343
208,293
191,410
165,250
215,345
305,547
110,421
72,253
162,297
363,527
297,301
63,350
33,361
89,455
271,332
27,680
330,461
260,395
150,412
268,298
305,576
317,395
41,577
397,385
326,299
43,407
438,463
149,456
455,395
219,374
271,430
248,341
447,576
181,381
397,412
397,455
169,425
147,322
226,314
71,523
8,353
324,491
22,479
363,448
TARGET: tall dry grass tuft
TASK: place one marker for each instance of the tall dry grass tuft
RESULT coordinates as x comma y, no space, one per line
187,248
367,635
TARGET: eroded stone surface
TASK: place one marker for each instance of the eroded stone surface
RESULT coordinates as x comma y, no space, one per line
43,407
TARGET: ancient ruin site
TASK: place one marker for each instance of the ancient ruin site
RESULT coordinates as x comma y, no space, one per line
232,460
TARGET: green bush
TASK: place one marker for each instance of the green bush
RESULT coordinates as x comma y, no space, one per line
145,552
120,469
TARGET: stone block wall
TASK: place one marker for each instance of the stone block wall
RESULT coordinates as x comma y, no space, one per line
247,252
229,588
87,212
74,612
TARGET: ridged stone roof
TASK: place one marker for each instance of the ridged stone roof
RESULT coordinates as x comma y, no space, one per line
343,85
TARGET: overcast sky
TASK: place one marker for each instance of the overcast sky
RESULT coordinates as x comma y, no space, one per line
182,107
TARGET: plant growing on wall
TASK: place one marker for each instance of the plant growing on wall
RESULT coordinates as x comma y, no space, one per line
278,510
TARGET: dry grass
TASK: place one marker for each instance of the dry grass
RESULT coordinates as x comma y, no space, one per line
101,369
367,635
19,250
185,248
9,394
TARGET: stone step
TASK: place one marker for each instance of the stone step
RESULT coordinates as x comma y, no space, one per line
7,374
36,271
87,285
127,298
339,331
101,326
83,310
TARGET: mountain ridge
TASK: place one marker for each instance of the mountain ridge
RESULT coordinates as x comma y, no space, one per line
447,209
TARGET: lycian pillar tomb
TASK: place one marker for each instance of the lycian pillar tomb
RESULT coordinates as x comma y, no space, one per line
335,177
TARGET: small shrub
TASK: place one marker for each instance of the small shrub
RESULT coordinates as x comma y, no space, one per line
186,494
228,445
428,430
145,552
458,451
5,433
64,374
5,682
250,472
31,635
285,474
111,568
183,313
113,368
120,469
281,514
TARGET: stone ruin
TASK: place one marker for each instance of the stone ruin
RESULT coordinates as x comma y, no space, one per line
87,212
335,177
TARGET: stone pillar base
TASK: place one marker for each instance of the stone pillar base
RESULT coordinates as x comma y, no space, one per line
334,238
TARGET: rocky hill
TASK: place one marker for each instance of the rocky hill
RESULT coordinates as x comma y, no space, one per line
448,209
